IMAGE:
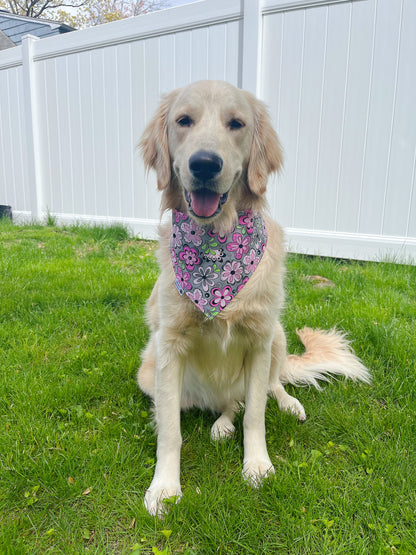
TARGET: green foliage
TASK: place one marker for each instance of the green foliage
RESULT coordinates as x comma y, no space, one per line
77,442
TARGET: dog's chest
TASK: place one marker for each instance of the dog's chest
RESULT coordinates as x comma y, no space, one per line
218,353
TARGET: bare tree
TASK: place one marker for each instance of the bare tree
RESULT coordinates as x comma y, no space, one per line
89,13
36,8
96,12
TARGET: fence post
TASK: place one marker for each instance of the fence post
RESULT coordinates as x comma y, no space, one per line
31,118
252,44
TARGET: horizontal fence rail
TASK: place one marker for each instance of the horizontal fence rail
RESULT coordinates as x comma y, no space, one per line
338,77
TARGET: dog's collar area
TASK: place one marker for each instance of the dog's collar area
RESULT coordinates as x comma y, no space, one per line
204,203
210,268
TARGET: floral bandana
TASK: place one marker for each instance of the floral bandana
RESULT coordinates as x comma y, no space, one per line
211,268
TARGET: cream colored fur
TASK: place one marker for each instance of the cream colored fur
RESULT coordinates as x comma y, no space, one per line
240,355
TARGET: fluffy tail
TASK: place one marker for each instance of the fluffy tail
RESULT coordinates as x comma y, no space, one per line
326,352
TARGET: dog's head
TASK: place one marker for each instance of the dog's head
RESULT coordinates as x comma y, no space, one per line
213,148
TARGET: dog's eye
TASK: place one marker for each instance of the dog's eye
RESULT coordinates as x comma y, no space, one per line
184,121
235,124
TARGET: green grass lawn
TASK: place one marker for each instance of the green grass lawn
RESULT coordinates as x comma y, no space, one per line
77,445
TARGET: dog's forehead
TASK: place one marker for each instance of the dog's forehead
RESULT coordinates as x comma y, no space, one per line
213,96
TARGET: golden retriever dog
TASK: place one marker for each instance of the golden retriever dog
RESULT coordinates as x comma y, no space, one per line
216,339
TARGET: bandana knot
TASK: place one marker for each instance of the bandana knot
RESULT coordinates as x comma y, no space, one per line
211,268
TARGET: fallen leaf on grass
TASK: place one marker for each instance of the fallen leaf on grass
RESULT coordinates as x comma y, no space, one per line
167,533
320,282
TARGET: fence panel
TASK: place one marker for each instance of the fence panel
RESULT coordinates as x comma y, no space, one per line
338,76
13,175
102,99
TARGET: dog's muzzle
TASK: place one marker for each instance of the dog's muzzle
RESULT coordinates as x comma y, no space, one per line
203,201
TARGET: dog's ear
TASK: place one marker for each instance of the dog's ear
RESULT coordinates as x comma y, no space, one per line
154,144
266,154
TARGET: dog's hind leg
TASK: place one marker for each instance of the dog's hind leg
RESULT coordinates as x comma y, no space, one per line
223,427
286,402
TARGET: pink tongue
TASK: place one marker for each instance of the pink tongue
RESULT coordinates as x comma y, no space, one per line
204,203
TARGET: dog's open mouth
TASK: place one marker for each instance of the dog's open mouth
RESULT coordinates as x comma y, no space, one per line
205,203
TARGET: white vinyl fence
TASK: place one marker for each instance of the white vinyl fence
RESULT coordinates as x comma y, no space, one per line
338,76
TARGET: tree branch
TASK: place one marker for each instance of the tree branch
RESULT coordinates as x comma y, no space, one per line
94,13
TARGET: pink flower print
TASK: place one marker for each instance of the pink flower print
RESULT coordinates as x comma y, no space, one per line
205,277
239,246
190,257
251,261
247,220
245,280
232,272
197,298
174,259
215,255
221,297
193,233
221,238
183,278
176,236
180,216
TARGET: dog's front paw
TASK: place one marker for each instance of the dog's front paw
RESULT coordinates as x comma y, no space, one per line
254,472
158,497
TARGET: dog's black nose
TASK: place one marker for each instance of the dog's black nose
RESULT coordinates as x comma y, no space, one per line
205,165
